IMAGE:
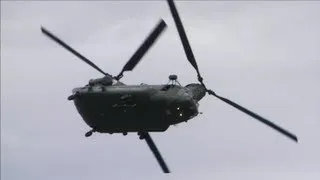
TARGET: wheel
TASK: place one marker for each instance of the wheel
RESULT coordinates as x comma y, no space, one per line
71,97
125,133
88,134
141,137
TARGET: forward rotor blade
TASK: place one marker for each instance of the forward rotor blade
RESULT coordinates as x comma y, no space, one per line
156,152
256,116
145,46
183,36
63,44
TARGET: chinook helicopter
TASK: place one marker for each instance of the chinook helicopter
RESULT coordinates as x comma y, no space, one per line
110,106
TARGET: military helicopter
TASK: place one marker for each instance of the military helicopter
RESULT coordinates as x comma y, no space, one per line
110,106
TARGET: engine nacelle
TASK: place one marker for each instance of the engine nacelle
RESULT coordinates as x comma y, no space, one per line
198,91
106,81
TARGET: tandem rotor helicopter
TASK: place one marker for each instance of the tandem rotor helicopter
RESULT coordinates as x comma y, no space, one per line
109,106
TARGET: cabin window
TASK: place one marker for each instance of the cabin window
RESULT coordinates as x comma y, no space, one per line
125,101
126,97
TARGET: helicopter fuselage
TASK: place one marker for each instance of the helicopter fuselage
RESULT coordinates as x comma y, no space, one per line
121,108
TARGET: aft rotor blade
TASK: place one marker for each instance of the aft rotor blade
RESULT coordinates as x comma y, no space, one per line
145,46
156,152
183,36
256,116
63,44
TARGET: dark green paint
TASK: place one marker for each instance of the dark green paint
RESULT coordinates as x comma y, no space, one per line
123,108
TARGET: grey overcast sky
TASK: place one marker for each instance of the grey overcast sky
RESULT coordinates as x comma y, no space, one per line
263,55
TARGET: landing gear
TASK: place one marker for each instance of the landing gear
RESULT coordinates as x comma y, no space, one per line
73,96
141,135
88,134
125,133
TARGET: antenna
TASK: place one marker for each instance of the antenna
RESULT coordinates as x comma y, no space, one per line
173,79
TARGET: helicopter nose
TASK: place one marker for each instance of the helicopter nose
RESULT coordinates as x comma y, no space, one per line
186,109
194,108
191,105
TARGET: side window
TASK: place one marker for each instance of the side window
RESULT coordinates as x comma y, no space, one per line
125,102
126,97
